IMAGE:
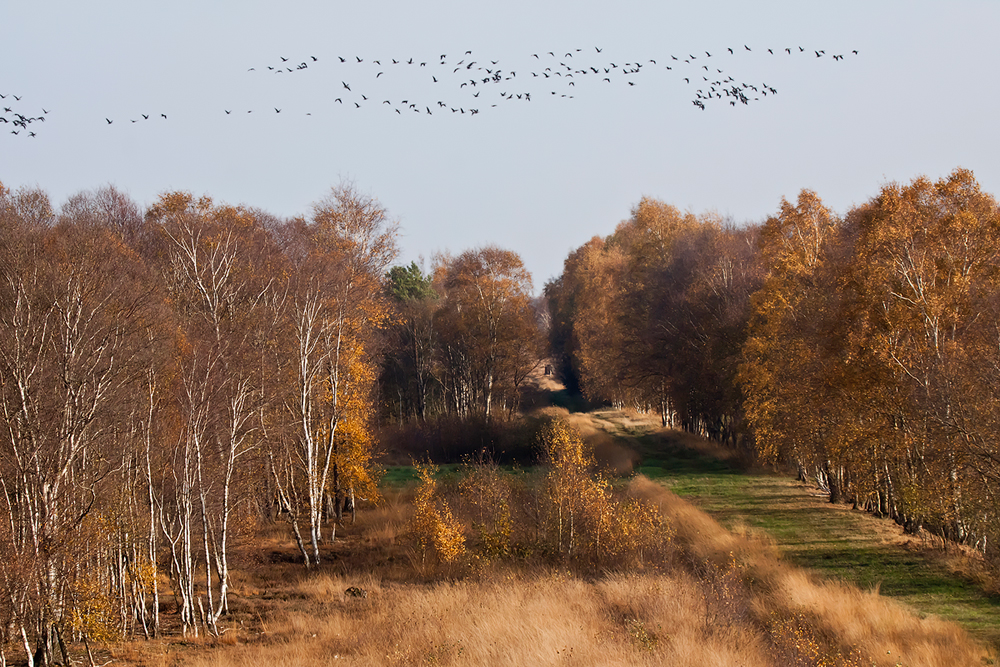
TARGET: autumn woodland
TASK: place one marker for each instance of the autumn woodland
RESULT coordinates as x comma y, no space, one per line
189,386
863,348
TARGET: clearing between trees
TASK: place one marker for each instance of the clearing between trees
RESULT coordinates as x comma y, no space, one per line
739,594
932,576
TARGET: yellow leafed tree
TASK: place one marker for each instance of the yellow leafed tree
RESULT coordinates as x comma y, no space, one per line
337,304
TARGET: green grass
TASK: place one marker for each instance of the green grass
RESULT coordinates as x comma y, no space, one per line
402,475
835,541
565,399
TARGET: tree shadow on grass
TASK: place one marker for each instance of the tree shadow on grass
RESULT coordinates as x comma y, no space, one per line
809,532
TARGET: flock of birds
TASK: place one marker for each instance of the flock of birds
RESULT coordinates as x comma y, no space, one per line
467,85
14,116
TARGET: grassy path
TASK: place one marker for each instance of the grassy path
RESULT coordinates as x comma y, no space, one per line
833,540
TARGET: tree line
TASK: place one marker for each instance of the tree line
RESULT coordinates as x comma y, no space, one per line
864,348
169,376
172,376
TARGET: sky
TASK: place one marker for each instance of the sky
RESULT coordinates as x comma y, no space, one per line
555,152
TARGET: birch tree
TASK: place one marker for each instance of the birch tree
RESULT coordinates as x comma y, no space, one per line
325,460
489,334
74,330
216,261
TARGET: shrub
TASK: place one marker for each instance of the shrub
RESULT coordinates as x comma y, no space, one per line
586,520
487,492
433,525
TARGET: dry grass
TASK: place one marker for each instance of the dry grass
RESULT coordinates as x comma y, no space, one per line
726,600
882,630
542,618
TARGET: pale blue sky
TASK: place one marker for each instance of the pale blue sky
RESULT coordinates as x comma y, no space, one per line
539,177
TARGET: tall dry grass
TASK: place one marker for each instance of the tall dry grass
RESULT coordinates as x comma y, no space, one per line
513,618
725,599
862,623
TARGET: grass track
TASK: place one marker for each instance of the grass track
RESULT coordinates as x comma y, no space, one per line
835,541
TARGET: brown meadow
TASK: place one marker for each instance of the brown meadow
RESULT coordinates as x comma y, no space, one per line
722,599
